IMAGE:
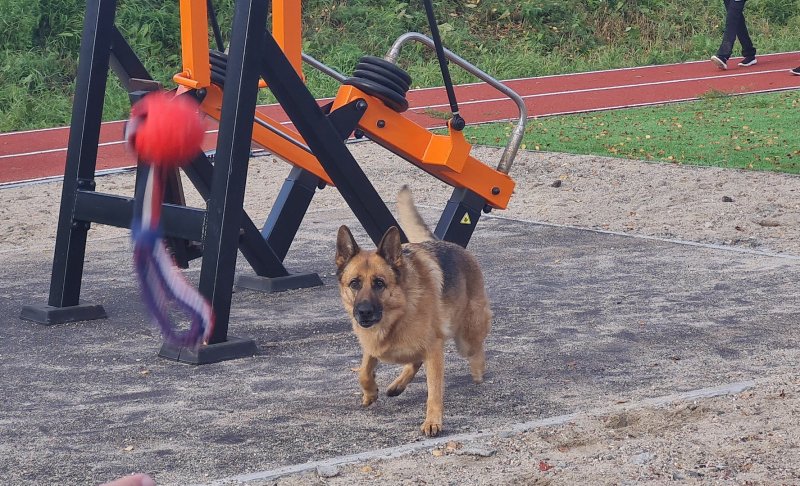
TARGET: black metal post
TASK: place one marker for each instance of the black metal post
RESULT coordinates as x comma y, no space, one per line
224,218
300,186
271,275
287,213
460,217
87,110
124,62
324,140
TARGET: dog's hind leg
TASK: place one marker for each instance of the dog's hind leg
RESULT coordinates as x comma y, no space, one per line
475,355
477,364
403,379
469,342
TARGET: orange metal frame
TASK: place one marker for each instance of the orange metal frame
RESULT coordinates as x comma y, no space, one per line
446,157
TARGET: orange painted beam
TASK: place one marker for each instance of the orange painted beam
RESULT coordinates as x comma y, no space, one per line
278,145
287,22
194,45
443,156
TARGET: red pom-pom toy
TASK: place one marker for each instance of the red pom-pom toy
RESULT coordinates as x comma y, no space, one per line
165,130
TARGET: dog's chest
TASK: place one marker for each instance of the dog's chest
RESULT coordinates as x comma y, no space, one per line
401,356
400,350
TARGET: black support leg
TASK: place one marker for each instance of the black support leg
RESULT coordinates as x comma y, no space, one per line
290,206
460,217
271,275
90,86
221,242
125,64
325,141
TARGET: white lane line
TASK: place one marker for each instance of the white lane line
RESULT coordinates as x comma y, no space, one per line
60,178
603,71
621,86
55,150
618,107
518,428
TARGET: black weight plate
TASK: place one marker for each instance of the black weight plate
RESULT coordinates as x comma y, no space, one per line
383,73
389,97
383,63
360,73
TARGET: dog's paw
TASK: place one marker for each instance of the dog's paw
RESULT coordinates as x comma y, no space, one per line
393,391
431,428
368,399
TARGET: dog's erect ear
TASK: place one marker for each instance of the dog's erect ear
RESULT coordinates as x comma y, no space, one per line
390,248
346,247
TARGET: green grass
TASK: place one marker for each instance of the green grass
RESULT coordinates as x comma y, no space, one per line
38,55
38,62
748,132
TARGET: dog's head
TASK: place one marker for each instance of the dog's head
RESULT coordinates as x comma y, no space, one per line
369,280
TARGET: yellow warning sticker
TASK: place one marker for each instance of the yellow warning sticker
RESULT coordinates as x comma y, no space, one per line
465,219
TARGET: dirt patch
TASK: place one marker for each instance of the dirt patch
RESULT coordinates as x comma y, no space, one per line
752,210
748,438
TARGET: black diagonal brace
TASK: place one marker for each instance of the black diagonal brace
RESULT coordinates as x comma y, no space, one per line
324,141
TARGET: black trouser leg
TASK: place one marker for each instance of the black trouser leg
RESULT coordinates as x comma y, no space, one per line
734,25
748,49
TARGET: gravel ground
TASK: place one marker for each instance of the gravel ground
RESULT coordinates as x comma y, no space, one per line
746,438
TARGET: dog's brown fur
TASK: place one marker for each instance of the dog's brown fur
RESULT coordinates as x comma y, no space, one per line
406,300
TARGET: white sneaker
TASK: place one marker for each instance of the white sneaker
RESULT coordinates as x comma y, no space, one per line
748,61
722,64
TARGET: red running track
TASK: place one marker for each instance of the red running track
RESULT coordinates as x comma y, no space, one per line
40,154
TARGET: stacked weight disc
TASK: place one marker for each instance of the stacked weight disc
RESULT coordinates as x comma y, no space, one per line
219,64
383,80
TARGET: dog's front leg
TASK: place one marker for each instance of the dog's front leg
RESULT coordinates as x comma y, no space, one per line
434,369
366,377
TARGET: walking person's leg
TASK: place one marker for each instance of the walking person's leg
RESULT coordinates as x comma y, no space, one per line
733,19
748,49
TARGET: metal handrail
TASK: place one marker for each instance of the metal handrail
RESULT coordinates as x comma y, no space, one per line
514,142
319,66
510,152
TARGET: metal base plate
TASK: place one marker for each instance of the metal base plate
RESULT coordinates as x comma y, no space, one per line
233,348
278,284
49,315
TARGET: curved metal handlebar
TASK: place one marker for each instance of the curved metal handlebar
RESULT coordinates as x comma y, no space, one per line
510,152
319,66
514,142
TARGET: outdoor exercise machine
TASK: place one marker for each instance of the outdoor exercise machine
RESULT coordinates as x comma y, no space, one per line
369,103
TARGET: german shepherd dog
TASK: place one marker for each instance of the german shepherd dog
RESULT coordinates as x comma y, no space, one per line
406,300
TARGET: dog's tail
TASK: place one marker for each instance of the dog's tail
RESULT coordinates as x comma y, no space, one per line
413,225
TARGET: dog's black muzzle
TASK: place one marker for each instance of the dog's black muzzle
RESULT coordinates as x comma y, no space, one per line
367,314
